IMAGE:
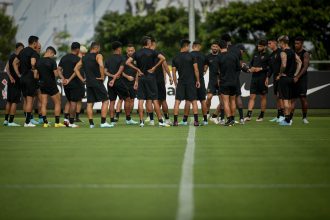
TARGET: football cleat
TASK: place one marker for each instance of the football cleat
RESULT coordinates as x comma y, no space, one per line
30,125
131,122
106,125
13,124
214,120
59,125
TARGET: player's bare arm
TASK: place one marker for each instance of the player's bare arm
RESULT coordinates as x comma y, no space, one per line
77,71
99,60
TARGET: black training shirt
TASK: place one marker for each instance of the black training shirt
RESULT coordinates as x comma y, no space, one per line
184,62
68,63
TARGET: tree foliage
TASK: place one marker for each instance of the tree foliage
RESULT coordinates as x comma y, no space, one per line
167,26
7,35
247,22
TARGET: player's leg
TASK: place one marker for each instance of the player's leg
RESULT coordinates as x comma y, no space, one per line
263,103
208,101
78,110
7,110
226,106
186,113
176,112
44,101
250,107
140,109
195,111
66,112
239,104
57,109
119,106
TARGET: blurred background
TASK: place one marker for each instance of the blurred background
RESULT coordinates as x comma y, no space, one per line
59,22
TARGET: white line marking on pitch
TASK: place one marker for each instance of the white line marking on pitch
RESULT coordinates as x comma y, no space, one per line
165,186
186,191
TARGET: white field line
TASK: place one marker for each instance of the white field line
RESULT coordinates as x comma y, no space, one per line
186,189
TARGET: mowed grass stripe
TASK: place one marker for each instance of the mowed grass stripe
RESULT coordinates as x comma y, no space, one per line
263,171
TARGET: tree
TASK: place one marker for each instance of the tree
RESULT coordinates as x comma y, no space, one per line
168,26
247,22
7,35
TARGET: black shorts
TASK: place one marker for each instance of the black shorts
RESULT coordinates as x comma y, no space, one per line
132,91
276,85
238,88
258,86
14,92
228,90
28,86
300,88
161,91
147,89
74,94
213,88
285,88
49,89
118,89
186,92
201,92
97,93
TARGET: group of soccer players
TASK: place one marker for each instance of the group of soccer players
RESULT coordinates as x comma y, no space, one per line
142,74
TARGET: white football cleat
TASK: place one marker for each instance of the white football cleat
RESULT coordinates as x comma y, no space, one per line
247,119
106,125
222,122
30,125
259,119
73,126
214,120
13,124
164,125
142,124
91,126
5,123
305,121
131,122
152,122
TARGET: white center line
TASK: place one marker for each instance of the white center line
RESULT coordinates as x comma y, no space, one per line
186,190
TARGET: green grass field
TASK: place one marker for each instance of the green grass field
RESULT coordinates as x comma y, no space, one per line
256,171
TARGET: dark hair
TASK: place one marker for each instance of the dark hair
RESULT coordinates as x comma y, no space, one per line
52,49
19,44
33,39
215,42
226,37
144,40
184,43
299,38
94,45
262,42
153,40
116,44
130,45
75,45
223,44
196,42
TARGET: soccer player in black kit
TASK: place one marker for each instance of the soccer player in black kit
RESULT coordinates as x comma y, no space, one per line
290,66
213,86
93,67
301,79
274,69
259,68
130,76
73,87
229,66
161,72
114,67
188,83
47,72
25,67
147,85
14,89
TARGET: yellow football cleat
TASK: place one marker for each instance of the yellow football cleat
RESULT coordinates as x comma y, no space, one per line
46,125
59,125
